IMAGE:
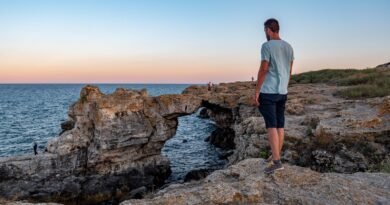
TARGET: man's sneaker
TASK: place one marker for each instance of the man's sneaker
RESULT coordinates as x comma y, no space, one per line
273,167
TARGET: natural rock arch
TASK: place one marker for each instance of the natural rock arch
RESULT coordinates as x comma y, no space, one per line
113,147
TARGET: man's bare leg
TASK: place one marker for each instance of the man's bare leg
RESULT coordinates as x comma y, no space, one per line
281,138
273,139
275,147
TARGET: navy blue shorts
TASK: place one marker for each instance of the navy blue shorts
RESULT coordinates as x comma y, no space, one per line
272,108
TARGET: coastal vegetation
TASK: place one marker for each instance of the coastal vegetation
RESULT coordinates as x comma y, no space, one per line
354,83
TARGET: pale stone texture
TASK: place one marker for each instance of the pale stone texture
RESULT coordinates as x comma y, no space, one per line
245,183
113,148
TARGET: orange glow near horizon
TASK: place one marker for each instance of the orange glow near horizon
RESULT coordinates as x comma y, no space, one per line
181,41
150,70
153,70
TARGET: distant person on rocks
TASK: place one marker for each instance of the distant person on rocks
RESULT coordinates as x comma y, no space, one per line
271,89
209,86
35,148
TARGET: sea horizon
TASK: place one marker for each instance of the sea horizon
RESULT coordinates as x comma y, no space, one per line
194,102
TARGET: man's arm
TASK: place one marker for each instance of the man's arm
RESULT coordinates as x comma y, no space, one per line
264,67
291,66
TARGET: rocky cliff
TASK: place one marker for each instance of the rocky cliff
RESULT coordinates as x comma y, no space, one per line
245,183
324,132
110,148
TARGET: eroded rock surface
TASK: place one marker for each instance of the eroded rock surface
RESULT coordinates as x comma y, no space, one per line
110,150
245,183
111,146
324,132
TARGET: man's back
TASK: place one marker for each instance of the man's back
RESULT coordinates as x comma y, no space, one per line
279,54
273,76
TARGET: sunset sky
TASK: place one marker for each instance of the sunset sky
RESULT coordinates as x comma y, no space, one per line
182,41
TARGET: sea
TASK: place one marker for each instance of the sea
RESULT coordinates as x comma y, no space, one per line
32,113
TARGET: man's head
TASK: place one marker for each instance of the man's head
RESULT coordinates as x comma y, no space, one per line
271,28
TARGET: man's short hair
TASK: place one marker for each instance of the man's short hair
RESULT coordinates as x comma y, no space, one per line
272,24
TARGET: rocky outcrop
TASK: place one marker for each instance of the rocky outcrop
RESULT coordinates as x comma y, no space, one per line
110,149
245,183
110,146
225,104
324,132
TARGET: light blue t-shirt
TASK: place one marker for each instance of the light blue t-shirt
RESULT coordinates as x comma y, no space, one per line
279,54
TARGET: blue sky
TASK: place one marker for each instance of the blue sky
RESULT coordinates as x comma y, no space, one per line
182,41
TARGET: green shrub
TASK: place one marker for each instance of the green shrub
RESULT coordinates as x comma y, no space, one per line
385,167
264,153
323,76
363,91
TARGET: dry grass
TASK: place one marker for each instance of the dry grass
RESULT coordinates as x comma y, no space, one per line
365,83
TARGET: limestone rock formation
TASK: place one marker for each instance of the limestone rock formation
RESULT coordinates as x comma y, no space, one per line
111,145
245,183
110,149
324,132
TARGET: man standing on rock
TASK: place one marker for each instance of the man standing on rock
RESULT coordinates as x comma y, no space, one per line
271,89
